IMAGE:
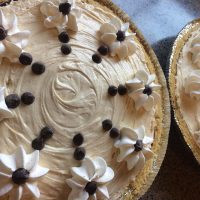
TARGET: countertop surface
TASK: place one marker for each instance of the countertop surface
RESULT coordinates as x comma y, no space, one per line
160,21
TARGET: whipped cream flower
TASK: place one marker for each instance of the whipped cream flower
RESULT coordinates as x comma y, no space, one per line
192,84
12,40
195,50
117,37
19,172
90,179
134,147
142,90
62,16
4,111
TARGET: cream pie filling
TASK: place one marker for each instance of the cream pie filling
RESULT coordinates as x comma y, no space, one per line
187,83
71,96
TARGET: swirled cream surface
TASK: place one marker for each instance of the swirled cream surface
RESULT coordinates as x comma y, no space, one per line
187,83
71,96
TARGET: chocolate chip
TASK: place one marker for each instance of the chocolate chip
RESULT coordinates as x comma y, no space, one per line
103,50
66,49
78,139
63,37
120,36
27,98
3,33
122,90
25,58
65,8
139,145
20,176
12,101
91,187
97,58
147,90
112,90
38,143
38,68
107,124
46,133
114,133
79,153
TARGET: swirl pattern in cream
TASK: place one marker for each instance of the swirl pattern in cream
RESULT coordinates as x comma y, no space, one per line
71,96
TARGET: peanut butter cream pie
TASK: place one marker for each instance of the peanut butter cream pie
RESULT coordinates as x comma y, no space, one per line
84,108
185,83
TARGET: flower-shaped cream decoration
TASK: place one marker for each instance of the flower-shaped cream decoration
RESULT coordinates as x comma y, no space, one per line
12,40
117,37
90,179
134,147
19,172
4,111
192,84
195,50
142,90
55,18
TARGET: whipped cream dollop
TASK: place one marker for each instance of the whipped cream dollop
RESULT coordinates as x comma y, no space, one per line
117,37
19,173
4,111
12,40
56,19
134,147
90,179
192,84
143,90
195,50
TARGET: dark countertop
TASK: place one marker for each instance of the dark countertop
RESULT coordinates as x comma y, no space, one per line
160,21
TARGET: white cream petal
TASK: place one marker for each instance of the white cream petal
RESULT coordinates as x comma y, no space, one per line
8,161
132,160
86,171
3,21
141,101
7,188
122,51
149,104
2,48
126,141
16,193
47,8
128,132
114,48
103,192
108,28
12,25
20,38
100,166
76,12
108,38
132,47
140,164
76,194
32,161
124,152
147,153
116,22
147,140
140,132
20,157
156,97
73,184
33,189
125,27
106,177
38,172
143,76
72,23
